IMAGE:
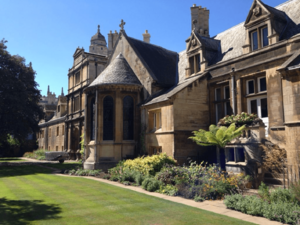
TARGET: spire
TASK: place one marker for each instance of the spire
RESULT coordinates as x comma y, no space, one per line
62,92
48,89
98,29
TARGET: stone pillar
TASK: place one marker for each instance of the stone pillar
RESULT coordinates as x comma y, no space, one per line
69,136
238,96
66,136
96,124
85,125
232,93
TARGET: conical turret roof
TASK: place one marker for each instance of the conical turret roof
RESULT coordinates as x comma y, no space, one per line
117,72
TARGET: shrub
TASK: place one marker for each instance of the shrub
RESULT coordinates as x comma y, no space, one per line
151,184
168,190
285,212
282,195
82,172
139,178
199,199
149,165
38,154
264,191
295,188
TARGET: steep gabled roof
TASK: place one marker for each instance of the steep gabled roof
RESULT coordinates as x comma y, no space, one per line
117,72
292,63
167,94
160,62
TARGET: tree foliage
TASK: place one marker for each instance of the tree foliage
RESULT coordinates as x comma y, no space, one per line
219,136
19,97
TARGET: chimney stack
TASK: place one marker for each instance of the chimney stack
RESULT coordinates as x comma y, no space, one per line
200,20
146,36
112,40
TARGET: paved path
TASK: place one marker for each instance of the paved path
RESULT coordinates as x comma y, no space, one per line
216,206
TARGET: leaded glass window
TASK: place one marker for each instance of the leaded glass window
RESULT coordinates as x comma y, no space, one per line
128,118
254,41
108,118
93,116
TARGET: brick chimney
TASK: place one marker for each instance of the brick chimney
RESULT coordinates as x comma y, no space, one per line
200,20
146,36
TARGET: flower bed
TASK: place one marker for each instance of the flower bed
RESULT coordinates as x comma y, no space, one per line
279,204
38,154
199,182
243,118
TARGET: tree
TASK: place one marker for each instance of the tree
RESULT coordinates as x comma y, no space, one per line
19,97
219,136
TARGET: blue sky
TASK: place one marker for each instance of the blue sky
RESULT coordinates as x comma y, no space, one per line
47,32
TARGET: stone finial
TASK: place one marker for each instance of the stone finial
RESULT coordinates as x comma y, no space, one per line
62,92
122,24
48,89
98,28
146,36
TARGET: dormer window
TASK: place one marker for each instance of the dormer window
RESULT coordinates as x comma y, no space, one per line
259,38
195,63
264,37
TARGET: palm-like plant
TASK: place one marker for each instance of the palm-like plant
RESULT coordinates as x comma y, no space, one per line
219,136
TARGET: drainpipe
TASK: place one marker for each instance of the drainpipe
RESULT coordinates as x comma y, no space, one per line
233,92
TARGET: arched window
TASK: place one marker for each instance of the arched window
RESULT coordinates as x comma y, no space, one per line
92,111
108,118
128,118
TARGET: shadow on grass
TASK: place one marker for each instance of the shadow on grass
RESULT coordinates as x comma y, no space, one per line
10,159
21,212
64,166
11,171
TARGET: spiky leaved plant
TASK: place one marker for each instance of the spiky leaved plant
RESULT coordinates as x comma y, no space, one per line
219,136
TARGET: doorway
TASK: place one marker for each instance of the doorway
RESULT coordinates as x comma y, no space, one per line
259,106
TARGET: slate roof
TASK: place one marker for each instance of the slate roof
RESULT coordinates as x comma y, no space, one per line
165,95
292,63
50,107
232,40
161,62
117,72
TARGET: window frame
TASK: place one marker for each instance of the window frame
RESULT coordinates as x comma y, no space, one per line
258,85
247,86
227,149
262,36
251,37
77,78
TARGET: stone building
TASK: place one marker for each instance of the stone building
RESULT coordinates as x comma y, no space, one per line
252,67
138,98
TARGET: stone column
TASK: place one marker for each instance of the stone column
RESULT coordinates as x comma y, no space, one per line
238,96
96,125
85,125
66,136
69,136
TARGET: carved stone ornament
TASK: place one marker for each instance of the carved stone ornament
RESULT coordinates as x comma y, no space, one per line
194,42
257,11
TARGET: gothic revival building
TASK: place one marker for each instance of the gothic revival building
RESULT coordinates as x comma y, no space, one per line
138,98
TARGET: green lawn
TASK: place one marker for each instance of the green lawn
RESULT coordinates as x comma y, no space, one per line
32,195
12,159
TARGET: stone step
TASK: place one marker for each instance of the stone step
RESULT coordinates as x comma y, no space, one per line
275,175
275,181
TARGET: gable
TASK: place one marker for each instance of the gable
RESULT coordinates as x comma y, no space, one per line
256,12
77,52
193,43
